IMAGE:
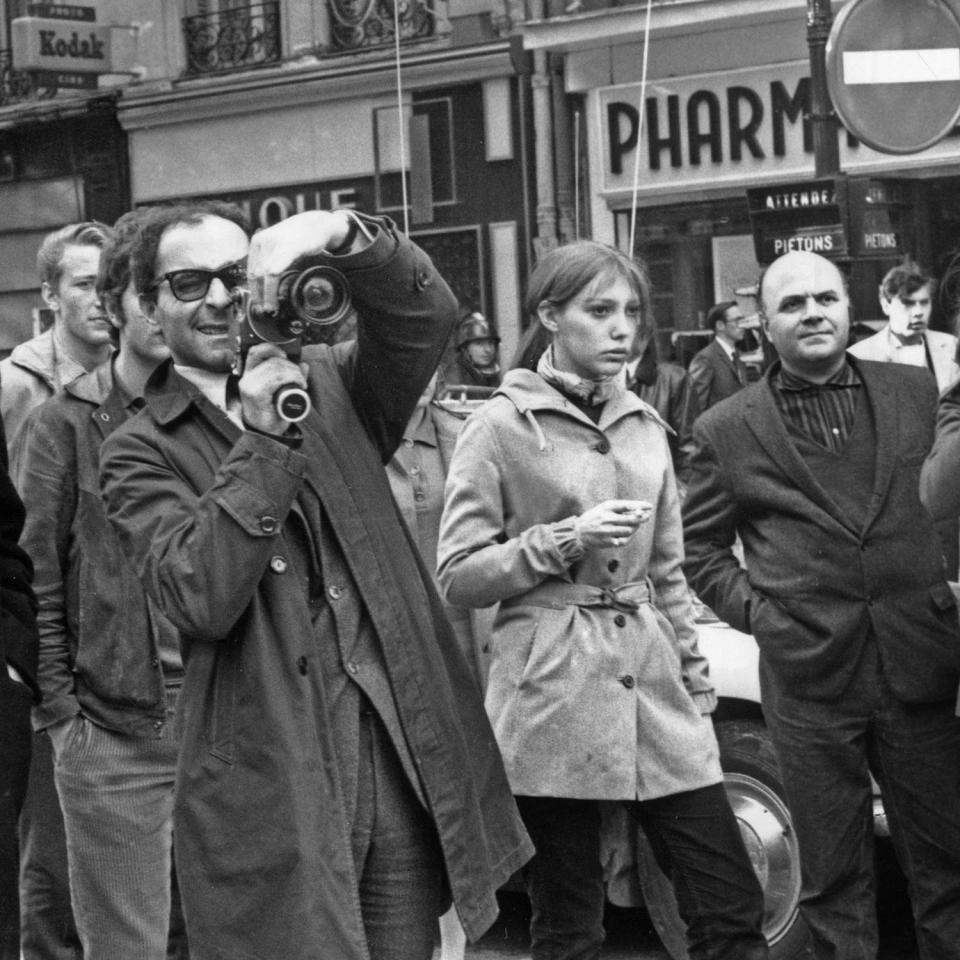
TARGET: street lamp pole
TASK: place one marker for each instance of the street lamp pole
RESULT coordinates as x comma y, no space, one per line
826,148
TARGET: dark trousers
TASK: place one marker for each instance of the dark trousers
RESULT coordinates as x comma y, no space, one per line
697,843
15,736
47,928
826,751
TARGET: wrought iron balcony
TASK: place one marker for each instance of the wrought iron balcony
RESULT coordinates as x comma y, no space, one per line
232,39
537,10
18,86
362,24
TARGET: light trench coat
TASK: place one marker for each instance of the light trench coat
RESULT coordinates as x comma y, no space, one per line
597,689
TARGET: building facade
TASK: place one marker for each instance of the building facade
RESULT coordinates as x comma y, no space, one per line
725,108
293,105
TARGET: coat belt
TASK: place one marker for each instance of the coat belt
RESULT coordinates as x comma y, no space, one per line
557,594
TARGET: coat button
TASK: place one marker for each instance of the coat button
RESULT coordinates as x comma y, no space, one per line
335,593
620,620
278,564
154,661
613,565
268,524
352,667
602,446
302,665
105,417
627,681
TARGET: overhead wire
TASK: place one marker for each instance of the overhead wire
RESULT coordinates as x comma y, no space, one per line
400,119
643,106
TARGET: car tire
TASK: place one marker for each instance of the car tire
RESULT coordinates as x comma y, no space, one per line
752,781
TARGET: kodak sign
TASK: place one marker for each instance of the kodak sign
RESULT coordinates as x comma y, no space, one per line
40,43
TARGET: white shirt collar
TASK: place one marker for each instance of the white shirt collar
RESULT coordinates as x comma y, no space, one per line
726,347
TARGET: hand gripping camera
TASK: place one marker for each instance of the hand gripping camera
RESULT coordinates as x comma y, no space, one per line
312,298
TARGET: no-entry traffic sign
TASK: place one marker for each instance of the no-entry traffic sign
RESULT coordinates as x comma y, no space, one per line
893,71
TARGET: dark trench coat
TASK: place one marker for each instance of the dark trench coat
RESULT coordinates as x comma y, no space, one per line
262,845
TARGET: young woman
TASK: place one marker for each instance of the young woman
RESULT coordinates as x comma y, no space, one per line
561,505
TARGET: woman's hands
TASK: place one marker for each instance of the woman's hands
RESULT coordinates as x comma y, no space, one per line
612,523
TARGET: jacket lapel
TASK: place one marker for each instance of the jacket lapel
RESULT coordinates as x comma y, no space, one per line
942,358
881,394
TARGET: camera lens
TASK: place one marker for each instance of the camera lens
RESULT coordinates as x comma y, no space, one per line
320,295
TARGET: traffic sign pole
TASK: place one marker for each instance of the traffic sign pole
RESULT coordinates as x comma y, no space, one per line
826,149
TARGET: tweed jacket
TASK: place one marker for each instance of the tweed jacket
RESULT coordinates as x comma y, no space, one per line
593,691
942,348
815,587
207,513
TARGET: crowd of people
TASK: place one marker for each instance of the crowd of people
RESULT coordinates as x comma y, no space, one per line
303,687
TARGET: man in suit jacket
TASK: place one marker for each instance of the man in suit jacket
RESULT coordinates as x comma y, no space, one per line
816,467
716,372
906,298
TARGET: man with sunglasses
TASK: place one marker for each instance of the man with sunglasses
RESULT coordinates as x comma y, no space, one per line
338,781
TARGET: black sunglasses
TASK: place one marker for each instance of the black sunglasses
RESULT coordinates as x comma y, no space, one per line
190,285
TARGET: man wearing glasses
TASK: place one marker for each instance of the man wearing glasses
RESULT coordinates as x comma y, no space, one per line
338,781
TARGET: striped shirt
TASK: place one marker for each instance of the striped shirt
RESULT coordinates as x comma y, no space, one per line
823,412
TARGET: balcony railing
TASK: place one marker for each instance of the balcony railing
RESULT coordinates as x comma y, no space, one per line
232,39
565,8
362,24
17,86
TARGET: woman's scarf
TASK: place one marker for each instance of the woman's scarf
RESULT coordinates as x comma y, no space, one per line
591,392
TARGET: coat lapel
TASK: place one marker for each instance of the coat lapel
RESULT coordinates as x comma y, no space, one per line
881,394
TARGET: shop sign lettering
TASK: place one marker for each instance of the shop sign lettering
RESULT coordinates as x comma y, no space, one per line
91,48
279,206
48,44
732,129
828,240
266,207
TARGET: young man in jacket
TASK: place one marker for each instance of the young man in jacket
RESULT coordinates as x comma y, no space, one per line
816,467
78,344
80,339
325,701
110,667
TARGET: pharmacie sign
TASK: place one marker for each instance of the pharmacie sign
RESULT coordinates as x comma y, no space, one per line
57,45
731,129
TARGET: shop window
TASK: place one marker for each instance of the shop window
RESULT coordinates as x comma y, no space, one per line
428,150
224,35
458,255
366,24
692,252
